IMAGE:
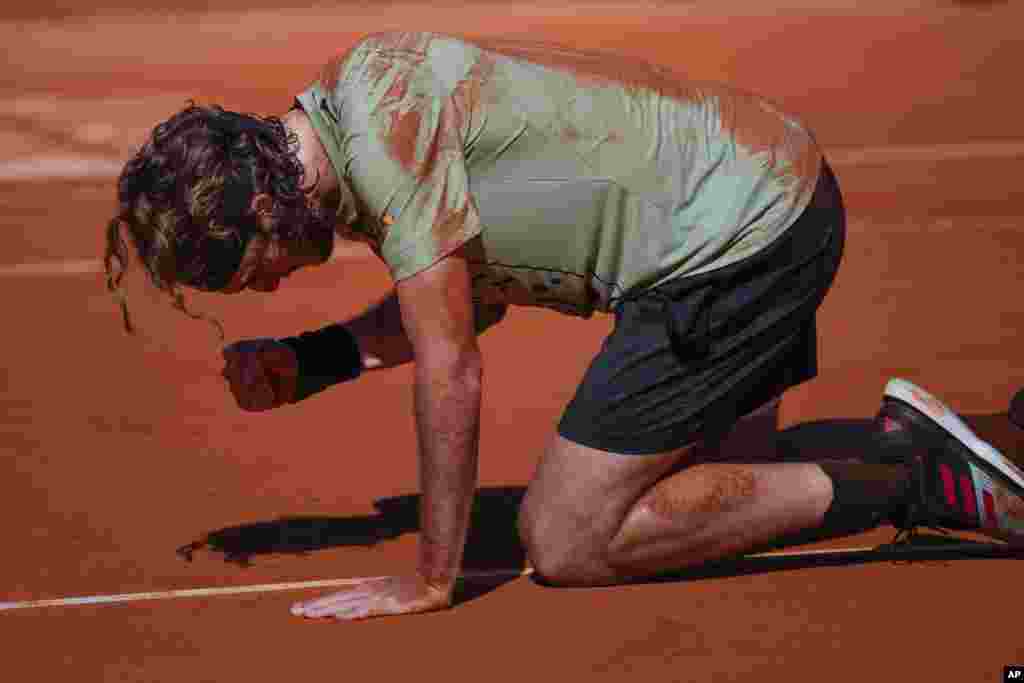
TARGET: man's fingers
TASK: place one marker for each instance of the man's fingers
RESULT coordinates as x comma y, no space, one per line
373,598
251,370
249,385
346,610
230,354
327,605
358,612
259,397
334,599
262,373
281,361
230,360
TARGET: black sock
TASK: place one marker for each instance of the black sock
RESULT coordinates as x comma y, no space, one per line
865,495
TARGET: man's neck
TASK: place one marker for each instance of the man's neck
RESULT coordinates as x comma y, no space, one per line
314,159
331,192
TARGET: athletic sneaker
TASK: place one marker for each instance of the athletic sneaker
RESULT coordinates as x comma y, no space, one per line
958,481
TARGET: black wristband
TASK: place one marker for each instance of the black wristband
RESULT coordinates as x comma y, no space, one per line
326,357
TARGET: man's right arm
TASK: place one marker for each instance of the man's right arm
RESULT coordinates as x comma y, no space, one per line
382,339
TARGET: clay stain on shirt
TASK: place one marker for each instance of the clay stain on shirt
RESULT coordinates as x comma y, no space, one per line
402,137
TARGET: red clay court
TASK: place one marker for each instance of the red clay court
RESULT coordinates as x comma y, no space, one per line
117,453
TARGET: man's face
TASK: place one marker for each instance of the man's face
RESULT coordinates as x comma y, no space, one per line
267,262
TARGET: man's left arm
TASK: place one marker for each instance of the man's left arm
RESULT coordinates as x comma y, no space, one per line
438,316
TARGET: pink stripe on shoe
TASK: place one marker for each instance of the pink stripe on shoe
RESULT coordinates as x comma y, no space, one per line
970,502
948,485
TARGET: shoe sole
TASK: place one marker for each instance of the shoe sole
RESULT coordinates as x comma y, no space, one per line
942,416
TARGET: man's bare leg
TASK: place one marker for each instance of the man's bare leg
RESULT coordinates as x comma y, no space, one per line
593,517
711,511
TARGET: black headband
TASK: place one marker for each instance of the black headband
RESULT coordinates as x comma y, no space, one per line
222,258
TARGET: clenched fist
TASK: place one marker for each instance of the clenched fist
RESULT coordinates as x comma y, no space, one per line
263,373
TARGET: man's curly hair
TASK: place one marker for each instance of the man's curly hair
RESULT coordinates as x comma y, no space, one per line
184,200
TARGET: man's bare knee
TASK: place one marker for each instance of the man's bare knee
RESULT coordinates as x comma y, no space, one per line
532,532
576,504
563,548
555,561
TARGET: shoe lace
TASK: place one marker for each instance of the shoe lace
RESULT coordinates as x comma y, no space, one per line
917,515
908,535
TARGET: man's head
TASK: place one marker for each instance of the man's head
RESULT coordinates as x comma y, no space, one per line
216,201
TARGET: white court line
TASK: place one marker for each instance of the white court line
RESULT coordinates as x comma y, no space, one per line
892,553
334,583
329,583
224,590
183,593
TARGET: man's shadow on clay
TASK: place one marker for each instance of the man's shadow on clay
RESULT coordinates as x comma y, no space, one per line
494,555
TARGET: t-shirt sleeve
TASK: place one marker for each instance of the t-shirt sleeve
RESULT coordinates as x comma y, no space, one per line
316,106
408,165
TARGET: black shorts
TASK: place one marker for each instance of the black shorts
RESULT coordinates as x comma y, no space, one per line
686,359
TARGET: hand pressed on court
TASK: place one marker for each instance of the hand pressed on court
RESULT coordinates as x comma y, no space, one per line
262,373
377,598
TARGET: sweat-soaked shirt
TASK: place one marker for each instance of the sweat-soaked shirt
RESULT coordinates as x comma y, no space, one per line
585,175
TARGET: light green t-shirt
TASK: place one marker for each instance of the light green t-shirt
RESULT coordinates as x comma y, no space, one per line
585,175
